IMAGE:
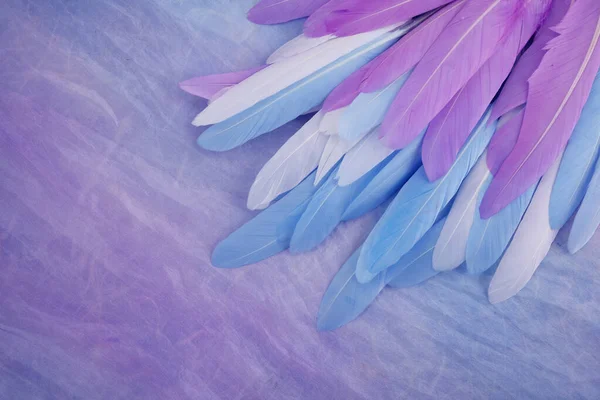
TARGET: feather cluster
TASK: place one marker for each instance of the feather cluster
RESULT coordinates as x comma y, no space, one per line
478,119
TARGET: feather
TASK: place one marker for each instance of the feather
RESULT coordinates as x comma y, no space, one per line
278,11
451,249
329,124
387,182
289,103
279,76
208,87
298,45
293,162
335,149
363,157
530,245
587,219
465,45
266,234
417,206
367,111
324,212
353,17
577,165
346,298
558,91
504,139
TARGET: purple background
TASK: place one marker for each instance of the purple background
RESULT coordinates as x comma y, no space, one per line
109,212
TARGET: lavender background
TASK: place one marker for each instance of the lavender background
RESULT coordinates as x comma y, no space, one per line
109,212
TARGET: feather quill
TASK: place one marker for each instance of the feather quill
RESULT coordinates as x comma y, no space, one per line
558,90
587,219
278,11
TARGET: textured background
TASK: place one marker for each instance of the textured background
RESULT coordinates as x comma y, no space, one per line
108,214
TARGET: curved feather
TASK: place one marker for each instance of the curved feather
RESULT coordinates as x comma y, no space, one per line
293,162
210,86
288,104
335,149
362,158
346,298
505,138
278,11
587,219
417,206
473,35
577,165
298,45
266,234
530,245
279,76
387,182
553,105
451,249
324,212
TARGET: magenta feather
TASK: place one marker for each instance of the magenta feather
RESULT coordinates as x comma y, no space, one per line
278,11
352,17
558,90
208,87
464,46
344,94
504,139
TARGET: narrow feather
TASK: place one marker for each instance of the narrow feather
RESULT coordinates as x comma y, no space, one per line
298,45
346,298
356,16
505,138
279,76
553,105
324,212
577,165
587,219
464,46
417,206
209,86
335,149
530,245
451,249
295,160
291,102
278,11
363,157
266,234
387,182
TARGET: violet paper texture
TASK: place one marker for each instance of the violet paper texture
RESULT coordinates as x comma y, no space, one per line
109,213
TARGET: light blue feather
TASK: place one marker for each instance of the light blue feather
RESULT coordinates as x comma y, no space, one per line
577,164
346,298
416,207
587,219
368,110
489,238
388,181
268,233
325,210
291,102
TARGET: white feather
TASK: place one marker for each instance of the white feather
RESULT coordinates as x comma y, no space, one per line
293,162
276,77
529,246
335,149
329,123
362,158
451,248
298,45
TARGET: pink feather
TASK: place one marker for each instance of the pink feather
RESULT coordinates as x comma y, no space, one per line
209,86
464,46
558,90
351,17
344,94
278,11
504,139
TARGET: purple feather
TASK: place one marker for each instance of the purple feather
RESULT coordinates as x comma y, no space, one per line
278,11
504,139
558,90
464,46
210,86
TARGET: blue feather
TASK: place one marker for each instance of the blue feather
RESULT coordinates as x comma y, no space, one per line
387,182
587,219
416,207
577,165
368,110
291,102
489,238
268,233
346,298
325,211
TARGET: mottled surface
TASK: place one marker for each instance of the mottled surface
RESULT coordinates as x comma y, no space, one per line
108,214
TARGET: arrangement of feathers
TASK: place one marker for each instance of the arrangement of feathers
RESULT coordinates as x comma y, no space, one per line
479,119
